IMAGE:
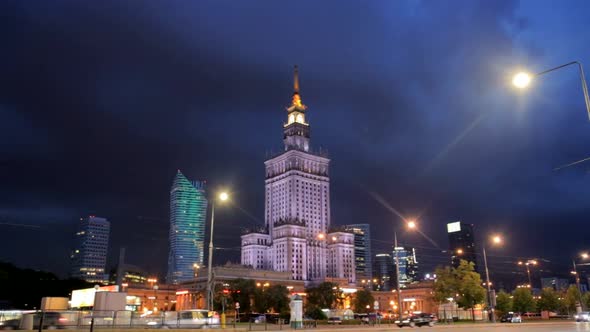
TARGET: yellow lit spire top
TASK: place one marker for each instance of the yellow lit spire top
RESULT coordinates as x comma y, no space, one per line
296,102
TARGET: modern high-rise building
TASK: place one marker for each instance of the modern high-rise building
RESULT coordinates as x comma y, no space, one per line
362,251
297,236
188,214
557,284
383,273
461,243
408,265
89,257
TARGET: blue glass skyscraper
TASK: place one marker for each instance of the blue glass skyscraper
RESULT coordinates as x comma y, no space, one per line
188,214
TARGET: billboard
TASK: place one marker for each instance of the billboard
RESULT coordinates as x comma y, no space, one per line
454,227
85,297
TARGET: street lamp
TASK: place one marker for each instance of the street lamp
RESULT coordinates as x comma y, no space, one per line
223,196
528,270
577,275
496,240
410,224
523,80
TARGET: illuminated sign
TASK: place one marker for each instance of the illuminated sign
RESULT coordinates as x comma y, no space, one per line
454,227
85,297
182,292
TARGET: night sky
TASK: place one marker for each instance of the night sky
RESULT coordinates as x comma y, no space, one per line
102,101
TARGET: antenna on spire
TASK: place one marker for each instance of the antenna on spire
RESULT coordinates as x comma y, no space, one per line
296,80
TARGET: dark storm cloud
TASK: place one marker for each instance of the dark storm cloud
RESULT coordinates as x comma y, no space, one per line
101,102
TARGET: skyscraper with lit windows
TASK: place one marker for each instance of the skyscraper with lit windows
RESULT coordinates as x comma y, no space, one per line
89,257
188,214
297,236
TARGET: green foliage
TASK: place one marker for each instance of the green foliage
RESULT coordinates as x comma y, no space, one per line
322,296
572,296
522,300
444,285
242,291
503,303
361,300
277,299
315,313
549,300
468,286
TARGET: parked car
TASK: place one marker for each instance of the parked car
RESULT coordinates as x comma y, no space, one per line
583,316
422,319
334,320
511,318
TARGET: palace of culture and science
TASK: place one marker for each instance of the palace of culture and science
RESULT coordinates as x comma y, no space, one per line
297,236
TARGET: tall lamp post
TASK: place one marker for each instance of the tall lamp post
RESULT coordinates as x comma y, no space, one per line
527,264
222,198
523,80
577,276
411,225
496,240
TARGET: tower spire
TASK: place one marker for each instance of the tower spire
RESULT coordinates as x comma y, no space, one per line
296,101
296,80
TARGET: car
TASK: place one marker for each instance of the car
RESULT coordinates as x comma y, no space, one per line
334,320
511,318
421,319
196,318
583,316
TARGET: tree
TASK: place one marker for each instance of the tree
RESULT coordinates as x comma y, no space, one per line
522,300
571,298
322,296
444,285
549,300
503,303
242,291
277,299
361,300
468,285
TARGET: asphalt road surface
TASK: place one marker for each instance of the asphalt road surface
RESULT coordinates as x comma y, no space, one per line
567,326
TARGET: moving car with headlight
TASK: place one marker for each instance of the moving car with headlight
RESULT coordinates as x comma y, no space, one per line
421,319
583,316
511,318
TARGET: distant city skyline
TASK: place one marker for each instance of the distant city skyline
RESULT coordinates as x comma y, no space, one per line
412,101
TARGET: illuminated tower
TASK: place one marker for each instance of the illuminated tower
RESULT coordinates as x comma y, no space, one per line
297,210
188,213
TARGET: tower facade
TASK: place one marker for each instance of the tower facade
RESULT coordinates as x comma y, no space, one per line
296,237
89,257
188,214
461,243
362,251
408,265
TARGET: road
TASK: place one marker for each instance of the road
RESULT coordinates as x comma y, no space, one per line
569,326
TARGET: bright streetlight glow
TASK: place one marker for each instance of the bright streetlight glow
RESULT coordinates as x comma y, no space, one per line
459,251
223,196
496,239
321,236
585,255
411,224
521,80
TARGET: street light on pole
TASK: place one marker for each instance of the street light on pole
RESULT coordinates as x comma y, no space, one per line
523,80
411,224
496,240
223,196
528,270
577,276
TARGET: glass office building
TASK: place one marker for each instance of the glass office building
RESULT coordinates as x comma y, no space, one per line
188,214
